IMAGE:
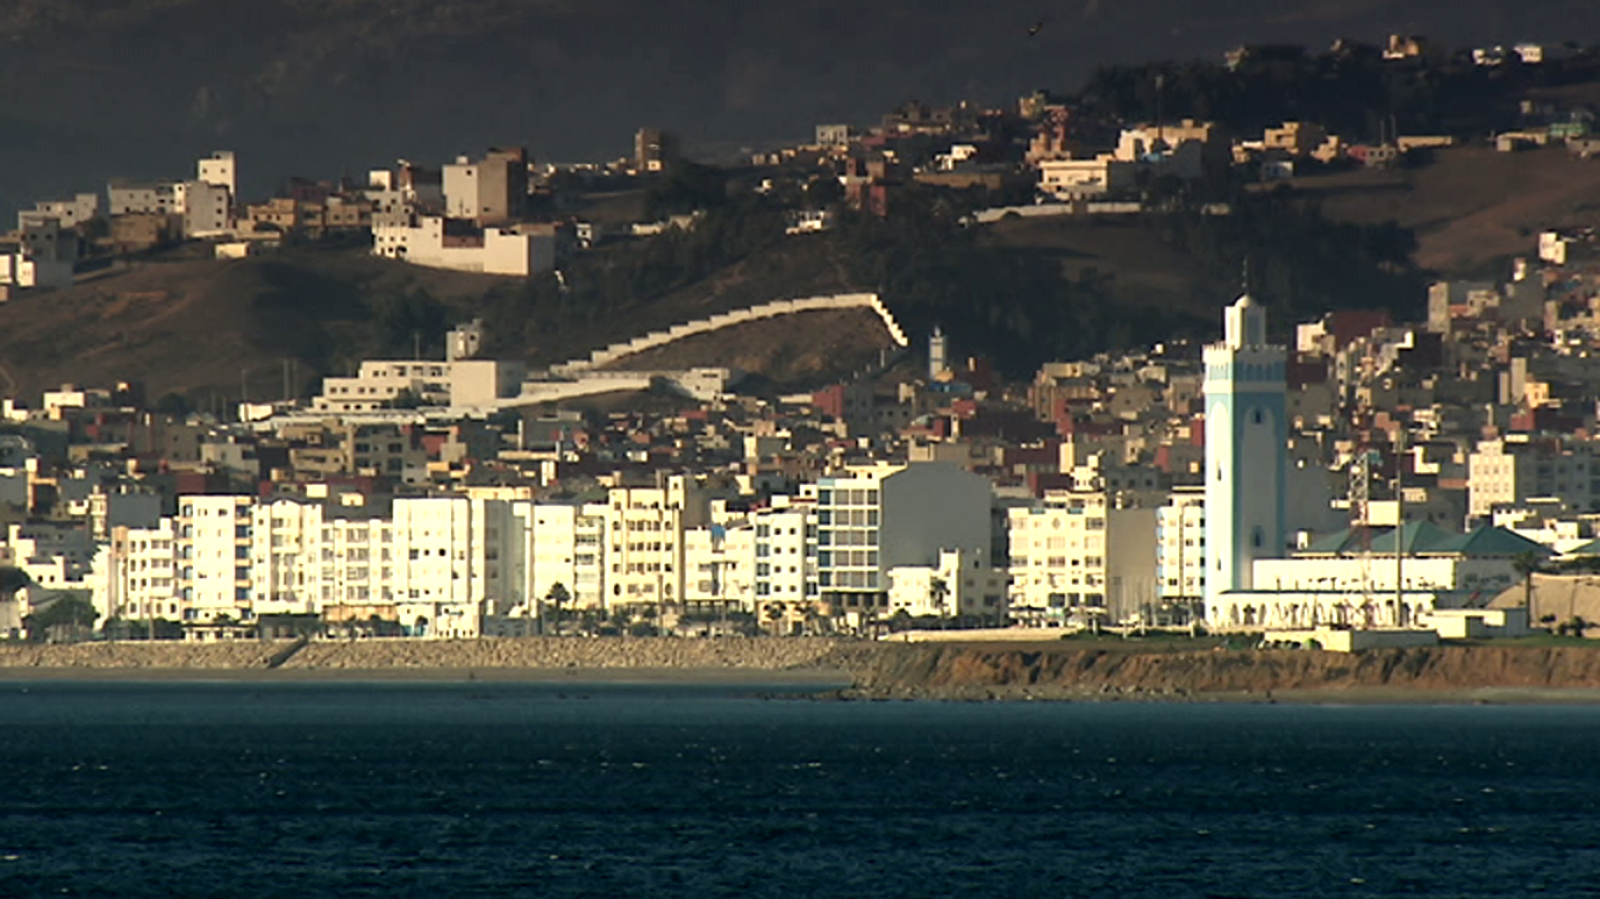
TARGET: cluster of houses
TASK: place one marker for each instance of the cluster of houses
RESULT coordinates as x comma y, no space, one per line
1351,475
474,215
501,213
1254,486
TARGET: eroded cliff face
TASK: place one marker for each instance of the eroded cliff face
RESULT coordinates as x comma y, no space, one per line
955,670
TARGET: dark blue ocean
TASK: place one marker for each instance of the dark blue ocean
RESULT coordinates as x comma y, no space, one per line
298,790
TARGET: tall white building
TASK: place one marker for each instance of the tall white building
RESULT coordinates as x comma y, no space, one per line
567,547
219,169
1181,547
135,574
1246,443
214,558
644,541
871,519
450,573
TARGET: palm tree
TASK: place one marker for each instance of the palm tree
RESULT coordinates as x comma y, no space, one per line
1527,564
558,594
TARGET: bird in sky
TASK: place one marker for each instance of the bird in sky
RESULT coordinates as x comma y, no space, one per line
1035,28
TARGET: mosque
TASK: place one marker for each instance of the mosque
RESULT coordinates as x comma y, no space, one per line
1418,581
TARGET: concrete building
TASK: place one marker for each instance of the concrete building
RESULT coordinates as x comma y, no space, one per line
463,384
128,197
1076,179
220,169
214,559
644,543
68,213
871,519
207,208
1181,549
135,574
1506,472
1245,450
1081,553
458,244
490,191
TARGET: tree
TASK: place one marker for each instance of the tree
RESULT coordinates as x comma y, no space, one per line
557,596
938,592
61,610
1527,564
12,579
774,615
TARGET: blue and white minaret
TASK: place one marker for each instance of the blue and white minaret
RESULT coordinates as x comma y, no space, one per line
1246,449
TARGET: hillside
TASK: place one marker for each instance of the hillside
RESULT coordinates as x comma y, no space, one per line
98,88
1020,292
199,325
202,327
1468,207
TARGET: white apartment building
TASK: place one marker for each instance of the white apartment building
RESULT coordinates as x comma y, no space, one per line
219,169
435,564
461,384
785,552
871,519
719,562
315,557
135,574
644,541
1181,547
457,244
214,558
566,547
1507,472
961,583
1079,551
450,572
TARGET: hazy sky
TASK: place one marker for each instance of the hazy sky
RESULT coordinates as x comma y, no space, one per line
98,88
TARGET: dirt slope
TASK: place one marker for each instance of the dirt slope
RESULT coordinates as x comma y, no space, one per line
954,669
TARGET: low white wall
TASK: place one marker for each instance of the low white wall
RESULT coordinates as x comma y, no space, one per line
606,355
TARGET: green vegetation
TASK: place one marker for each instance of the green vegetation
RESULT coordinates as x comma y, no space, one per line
1355,94
66,610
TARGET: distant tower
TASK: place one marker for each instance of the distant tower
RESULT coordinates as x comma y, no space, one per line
938,353
1246,444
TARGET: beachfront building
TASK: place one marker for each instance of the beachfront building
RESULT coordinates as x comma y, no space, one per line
874,518
1081,553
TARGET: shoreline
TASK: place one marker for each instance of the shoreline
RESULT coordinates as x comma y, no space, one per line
820,678
814,684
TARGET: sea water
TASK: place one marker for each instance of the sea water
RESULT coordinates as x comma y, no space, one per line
300,790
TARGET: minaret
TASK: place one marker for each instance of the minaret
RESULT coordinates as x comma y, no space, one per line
938,353
1246,443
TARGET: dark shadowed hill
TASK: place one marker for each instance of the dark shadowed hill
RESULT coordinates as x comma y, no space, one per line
97,88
